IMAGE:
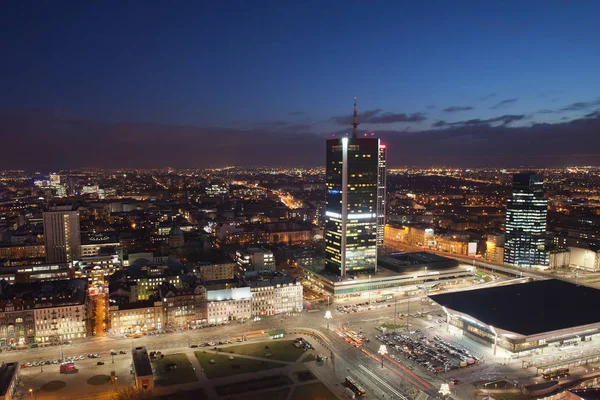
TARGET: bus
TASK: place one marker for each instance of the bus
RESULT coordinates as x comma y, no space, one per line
559,373
355,387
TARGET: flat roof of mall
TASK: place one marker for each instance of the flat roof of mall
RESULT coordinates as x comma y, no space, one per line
528,308
420,257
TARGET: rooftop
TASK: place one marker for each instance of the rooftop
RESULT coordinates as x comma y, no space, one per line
528,308
587,394
7,372
141,362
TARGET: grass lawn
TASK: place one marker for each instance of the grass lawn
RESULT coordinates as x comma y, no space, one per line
282,350
392,326
183,374
98,380
223,366
314,391
254,385
53,386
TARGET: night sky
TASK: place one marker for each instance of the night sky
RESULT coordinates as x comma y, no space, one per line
201,84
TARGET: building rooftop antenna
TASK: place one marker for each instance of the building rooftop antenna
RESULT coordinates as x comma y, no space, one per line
355,121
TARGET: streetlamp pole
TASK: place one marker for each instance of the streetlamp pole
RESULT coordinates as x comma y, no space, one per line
328,316
395,311
408,315
382,351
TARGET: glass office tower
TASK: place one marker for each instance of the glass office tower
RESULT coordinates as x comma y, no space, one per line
351,205
525,230
381,198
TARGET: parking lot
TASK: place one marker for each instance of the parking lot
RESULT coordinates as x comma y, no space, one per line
435,354
89,377
349,308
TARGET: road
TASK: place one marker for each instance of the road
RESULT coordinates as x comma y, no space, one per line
478,262
386,382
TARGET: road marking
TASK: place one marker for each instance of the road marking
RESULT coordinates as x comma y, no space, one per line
384,383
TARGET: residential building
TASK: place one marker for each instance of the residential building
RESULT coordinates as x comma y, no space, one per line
23,252
182,307
43,312
227,303
525,229
17,324
274,292
61,234
216,272
254,259
96,269
494,246
36,273
352,180
92,243
136,317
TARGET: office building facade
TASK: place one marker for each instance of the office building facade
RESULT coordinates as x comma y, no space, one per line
352,180
381,194
525,229
61,234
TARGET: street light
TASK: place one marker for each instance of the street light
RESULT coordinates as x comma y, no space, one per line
495,338
328,316
445,390
382,351
31,392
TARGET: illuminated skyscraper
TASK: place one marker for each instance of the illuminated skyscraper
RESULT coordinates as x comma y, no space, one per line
525,230
381,198
354,176
61,234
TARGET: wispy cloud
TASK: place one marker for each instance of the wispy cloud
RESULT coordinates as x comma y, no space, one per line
453,109
501,120
488,96
504,103
581,106
378,117
296,113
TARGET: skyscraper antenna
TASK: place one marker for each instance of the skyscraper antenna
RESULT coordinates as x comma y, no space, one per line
355,121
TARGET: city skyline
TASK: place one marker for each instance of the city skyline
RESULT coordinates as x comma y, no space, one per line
207,86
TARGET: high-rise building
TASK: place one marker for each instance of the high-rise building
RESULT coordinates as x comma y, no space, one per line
381,192
526,214
352,202
61,234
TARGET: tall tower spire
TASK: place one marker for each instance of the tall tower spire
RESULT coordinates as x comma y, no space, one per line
355,121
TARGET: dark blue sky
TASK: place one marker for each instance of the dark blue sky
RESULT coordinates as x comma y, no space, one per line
294,66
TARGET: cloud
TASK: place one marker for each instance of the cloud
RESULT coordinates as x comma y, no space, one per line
595,114
362,116
296,113
581,106
546,111
377,117
504,103
488,96
501,120
42,141
452,109
390,118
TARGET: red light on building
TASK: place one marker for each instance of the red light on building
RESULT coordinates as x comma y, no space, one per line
382,146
